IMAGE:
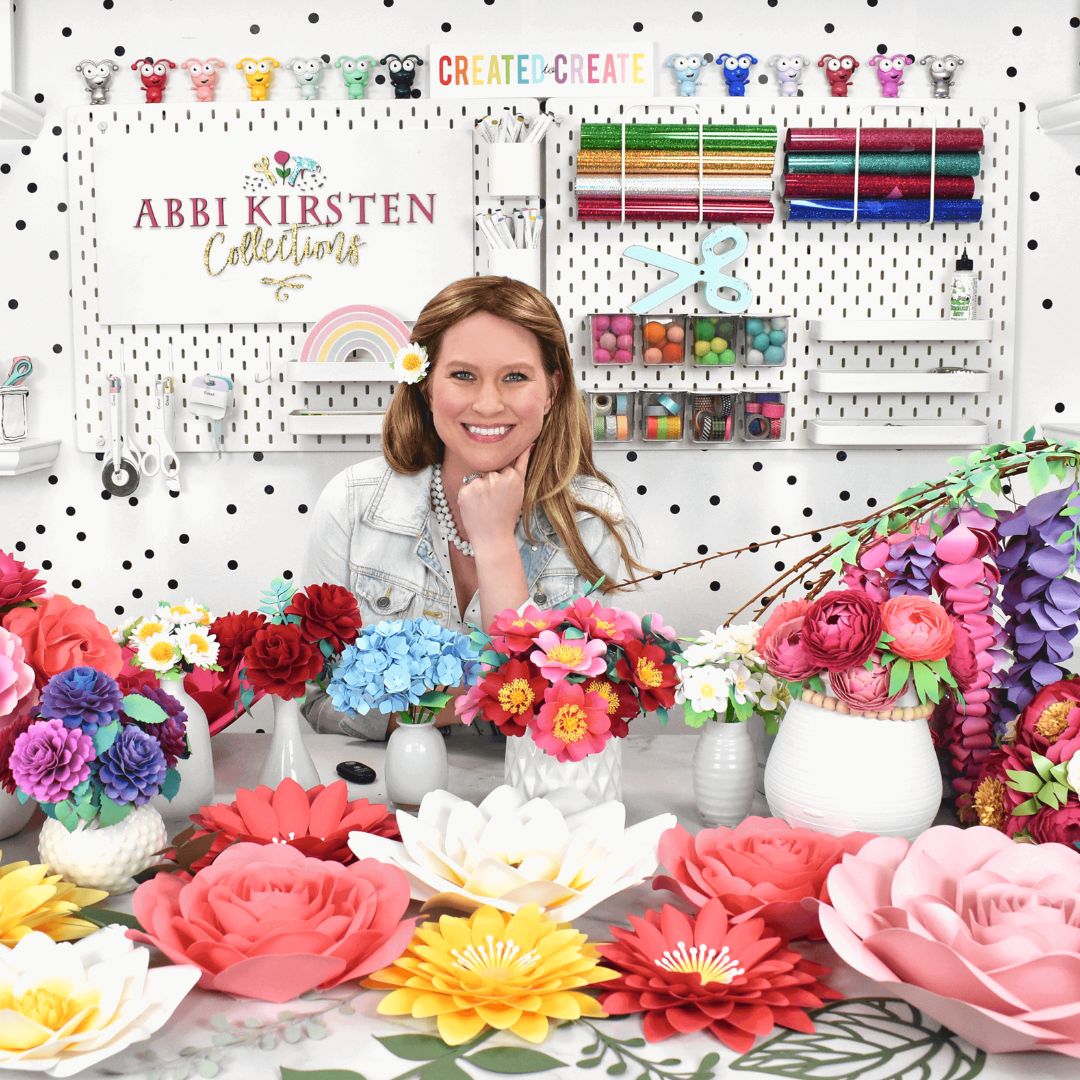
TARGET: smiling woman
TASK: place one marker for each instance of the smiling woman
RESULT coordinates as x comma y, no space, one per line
486,495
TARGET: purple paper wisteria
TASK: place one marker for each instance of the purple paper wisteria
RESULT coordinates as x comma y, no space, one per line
911,563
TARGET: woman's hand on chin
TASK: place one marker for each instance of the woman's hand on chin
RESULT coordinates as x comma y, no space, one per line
490,505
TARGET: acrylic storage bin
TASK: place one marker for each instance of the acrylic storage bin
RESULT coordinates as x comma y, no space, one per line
765,340
514,170
611,338
764,416
714,417
716,340
14,413
662,339
661,415
611,415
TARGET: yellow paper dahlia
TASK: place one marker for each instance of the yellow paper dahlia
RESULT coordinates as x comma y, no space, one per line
510,972
33,899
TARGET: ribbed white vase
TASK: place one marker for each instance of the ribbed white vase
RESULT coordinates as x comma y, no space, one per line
415,764
535,773
196,770
724,771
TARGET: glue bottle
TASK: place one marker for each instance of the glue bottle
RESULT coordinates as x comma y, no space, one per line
963,289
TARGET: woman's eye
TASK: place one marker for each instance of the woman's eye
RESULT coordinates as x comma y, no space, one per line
517,376
460,375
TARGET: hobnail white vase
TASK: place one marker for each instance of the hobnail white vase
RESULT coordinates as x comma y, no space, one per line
598,777
14,814
287,756
841,772
724,771
196,770
105,857
415,763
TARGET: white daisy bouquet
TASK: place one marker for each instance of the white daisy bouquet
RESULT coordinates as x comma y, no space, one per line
172,640
723,677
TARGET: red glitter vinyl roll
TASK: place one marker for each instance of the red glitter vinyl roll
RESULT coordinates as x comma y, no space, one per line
672,208
827,186
842,140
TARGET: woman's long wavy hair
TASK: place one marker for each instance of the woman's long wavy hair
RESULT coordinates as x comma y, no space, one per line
563,449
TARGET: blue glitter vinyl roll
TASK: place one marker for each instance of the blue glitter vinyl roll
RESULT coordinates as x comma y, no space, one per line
885,210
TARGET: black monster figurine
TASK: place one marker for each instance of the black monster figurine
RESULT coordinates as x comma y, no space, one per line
402,73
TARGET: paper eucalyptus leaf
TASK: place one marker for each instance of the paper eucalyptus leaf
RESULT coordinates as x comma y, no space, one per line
511,1060
414,1047
143,710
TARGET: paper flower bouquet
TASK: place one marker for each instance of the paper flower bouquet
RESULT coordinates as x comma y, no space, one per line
173,640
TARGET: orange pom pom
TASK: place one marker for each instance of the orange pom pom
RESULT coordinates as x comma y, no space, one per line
654,332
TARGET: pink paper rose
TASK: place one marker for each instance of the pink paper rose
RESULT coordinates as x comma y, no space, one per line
1050,725
783,613
268,922
979,932
16,675
862,689
963,660
763,868
1060,826
784,654
841,629
922,629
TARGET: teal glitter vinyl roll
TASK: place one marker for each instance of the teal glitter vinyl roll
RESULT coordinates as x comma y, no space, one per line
895,164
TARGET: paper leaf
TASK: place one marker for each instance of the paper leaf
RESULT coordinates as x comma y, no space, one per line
1026,782
113,812
435,700
509,1060
1042,764
101,916
871,1038
443,1069
105,736
1038,474
171,784
898,676
695,719
1025,809
413,1047
143,710
66,815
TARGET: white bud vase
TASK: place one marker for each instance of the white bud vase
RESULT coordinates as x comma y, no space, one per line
724,770
415,764
197,769
14,814
287,756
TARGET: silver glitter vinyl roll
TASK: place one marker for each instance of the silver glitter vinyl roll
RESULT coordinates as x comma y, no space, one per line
750,187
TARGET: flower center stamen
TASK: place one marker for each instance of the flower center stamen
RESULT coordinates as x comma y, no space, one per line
648,674
711,965
607,692
162,650
571,724
989,801
566,654
1054,720
516,697
496,959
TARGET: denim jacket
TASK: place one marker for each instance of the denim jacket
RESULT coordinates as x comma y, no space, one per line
372,534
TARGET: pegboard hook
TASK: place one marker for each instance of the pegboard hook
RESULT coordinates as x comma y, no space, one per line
265,375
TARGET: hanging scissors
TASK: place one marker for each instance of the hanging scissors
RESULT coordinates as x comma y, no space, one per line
162,429
21,370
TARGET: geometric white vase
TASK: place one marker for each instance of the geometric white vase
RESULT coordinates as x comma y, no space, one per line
197,769
596,778
287,755
724,771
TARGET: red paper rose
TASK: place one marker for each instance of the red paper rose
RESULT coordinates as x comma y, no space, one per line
1061,826
784,654
17,583
841,629
279,661
60,634
327,613
1050,725
234,634
921,628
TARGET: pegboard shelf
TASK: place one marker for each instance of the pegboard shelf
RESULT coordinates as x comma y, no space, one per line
340,422
343,371
898,433
1061,431
1061,117
28,456
901,329
899,382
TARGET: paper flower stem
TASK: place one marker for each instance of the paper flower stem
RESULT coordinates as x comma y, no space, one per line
623,1052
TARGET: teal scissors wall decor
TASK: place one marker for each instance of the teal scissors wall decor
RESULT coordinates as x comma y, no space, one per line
21,370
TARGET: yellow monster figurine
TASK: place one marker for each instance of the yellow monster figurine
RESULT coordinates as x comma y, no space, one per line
259,75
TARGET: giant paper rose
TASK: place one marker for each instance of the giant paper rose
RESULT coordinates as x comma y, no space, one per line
267,922
279,661
17,688
841,629
234,633
922,629
511,851
763,868
979,932
60,634
784,654
327,613
17,583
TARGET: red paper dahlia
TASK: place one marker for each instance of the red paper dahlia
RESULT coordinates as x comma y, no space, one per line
234,634
327,613
279,661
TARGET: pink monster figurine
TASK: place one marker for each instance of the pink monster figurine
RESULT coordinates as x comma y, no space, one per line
204,76
890,72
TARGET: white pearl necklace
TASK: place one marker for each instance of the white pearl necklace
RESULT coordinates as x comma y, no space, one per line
442,512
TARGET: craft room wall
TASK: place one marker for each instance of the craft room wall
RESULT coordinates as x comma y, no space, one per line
243,519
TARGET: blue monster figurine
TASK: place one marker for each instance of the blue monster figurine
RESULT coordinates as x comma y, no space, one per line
686,69
736,71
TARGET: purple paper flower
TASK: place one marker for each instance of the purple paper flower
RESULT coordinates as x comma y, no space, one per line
133,767
171,733
50,760
911,564
82,697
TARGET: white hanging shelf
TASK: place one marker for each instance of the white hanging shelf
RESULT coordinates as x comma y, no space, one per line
28,455
1060,431
1061,117
339,422
900,382
901,329
19,118
339,371
898,433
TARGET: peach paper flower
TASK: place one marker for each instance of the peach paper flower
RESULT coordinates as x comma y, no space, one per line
922,629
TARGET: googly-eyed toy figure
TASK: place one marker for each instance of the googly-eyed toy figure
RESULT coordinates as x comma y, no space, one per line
890,72
307,73
686,69
97,77
402,71
153,74
942,71
789,71
736,71
258,74
356,73
839,70
204,76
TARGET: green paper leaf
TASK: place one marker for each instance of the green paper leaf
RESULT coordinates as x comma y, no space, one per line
1032,806
1038,473
1047,796
443,1069
86,810
435,700
1026,782
696,719
171,784
414,1047
1042,764
105,736
898,676
143,710
112,812
22,796
102,916
66,815
1029,435
743,711
509,1060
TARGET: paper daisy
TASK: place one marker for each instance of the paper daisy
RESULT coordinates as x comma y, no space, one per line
411,363
147,628
160,652
180,614
198,647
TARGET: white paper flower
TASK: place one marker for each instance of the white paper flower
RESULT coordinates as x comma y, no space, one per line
410,363
121,633
701,654
744,684
197,645
511,851
159,652
180,614
65,1006
705,688
769,699
149,627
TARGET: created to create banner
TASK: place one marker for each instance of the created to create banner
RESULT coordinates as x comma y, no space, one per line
256,227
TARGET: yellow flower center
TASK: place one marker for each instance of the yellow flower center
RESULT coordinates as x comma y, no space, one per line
605,627
570,655
50,1006
411,361
495,959
178,611
520,624
570,725
516,697
648,674
607,692
990,803
149,629
162,650
198,643
711,965
1054,719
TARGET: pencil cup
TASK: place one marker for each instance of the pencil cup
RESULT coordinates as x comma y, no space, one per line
513,170
14,408
522,264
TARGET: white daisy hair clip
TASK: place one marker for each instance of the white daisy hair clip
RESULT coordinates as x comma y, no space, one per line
411,363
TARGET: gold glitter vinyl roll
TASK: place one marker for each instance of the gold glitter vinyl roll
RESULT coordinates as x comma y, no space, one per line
719,163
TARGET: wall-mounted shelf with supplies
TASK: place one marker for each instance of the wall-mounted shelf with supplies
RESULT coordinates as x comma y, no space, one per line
899,433
930,381
27,455
901,329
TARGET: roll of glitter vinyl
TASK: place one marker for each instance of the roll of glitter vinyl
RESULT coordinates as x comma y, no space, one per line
685,137
823,186
886,164
837,140
733,163
672,208
885,210
742,187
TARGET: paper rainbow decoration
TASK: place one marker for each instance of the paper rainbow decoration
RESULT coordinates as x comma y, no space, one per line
358,327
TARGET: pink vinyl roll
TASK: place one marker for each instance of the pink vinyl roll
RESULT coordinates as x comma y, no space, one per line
672,208
842,140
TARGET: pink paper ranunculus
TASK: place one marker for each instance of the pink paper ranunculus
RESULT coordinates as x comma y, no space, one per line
268,922
782,613
865,690
16,675
1050,725
980,933
841,629
922,628
763,868
17,583
784,655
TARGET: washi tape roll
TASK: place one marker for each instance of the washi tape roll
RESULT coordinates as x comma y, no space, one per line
599,428
656,410
670,404
610,427
603,404
621,401
652,427
622,428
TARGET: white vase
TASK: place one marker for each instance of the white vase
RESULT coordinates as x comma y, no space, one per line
287,755
724,769
415,764
838,773
196,770
14,814
104,857
597,778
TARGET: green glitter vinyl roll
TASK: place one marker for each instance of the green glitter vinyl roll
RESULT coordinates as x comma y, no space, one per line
719,137
896,164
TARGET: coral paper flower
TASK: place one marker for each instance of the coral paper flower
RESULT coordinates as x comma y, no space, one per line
645,667
511,851
17,583
66,1007
607,624
316,822
558,655
508,697
979,932
700,973
32,899
267,922
921,628
841,629
763,868
572,723
785,612
509,972
516,632
784,654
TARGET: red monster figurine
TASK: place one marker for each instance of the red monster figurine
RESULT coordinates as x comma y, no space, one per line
153,74
839,70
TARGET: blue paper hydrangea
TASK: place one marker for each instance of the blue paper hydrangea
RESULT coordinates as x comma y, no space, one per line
82,697
132,768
